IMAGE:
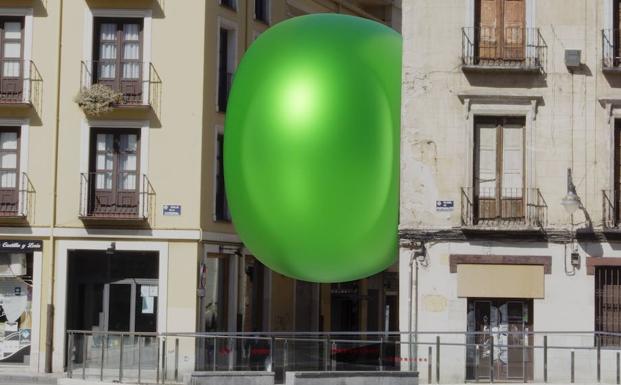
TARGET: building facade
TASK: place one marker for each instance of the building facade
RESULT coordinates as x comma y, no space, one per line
112,203
502,122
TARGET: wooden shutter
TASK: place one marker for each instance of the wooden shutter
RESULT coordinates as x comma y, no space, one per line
512,171
486,170
514,22
488,33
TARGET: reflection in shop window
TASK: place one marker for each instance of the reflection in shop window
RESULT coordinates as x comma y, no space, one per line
15,307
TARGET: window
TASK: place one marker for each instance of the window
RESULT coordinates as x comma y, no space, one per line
225,66
617,174
608,303
118,56
11,57
261,10
229,4
9,171
222,207
114,180
501,30
499,169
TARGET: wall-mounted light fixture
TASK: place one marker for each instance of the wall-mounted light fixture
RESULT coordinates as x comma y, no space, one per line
111,249
571,201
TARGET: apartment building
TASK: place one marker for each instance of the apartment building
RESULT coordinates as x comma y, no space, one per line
510,182
112,199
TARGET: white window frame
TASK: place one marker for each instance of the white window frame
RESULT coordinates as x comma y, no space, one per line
499,105
143,125
269,13
24,132
89,30
27,14
229,25
63,247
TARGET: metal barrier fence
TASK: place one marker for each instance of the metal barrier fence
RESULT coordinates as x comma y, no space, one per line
498,355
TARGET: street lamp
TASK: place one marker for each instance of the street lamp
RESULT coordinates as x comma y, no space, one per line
571,201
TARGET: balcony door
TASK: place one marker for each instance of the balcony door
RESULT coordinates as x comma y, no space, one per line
114,182
118,55
501,33
9,171
499,169
11,56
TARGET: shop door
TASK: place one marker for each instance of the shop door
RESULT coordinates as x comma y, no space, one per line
131,306
499,346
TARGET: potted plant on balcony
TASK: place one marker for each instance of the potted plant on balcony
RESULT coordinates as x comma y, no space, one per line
98,99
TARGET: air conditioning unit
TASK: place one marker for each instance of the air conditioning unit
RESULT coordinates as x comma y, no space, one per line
12,265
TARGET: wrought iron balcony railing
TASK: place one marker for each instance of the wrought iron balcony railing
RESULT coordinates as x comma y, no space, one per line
510,48
16,201
611,49
508,208
20,83
109,195
611,209
139,82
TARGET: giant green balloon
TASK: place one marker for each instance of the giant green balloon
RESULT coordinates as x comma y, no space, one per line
311,147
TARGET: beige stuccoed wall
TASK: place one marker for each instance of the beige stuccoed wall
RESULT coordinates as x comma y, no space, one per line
434,149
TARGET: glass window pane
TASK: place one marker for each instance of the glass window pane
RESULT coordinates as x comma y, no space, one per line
131,71
12,49
107,51
128,162
108,71
128,181
12,30
103,181
104,142
8,160
129,142
104,161
8,179
108,31
131,32
8,140
11,69
131,51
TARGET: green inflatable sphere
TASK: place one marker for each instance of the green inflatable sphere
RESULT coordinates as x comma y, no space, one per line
311,147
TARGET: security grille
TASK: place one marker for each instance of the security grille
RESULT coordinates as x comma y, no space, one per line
608,304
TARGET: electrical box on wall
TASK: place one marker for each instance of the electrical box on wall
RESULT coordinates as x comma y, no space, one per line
12,265
573,58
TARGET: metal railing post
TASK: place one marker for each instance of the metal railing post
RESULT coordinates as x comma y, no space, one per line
618,368
215,352
429,360
285,353
104,341
381,355
545,358
437,359
476,362
157,361
326,353
491,358
333,356
84,355
599,359
572,366
164,363
69,356
230,352
121,359
268,368
176,359
140,343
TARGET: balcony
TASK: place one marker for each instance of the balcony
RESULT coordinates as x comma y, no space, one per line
511,49
503,209
103,197
20,84
16,202
611,214
611,51
138,82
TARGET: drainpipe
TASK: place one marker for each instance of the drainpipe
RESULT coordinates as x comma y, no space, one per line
413,363
49,332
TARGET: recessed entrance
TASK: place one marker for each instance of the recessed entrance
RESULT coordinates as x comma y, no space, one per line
499,346
112,291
